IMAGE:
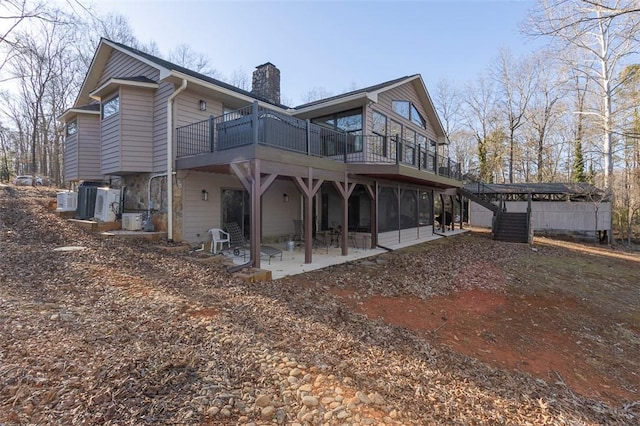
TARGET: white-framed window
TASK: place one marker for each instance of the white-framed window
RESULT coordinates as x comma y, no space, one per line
111,107
72,128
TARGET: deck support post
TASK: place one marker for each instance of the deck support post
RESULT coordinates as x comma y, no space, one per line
251,178
308,187
345,189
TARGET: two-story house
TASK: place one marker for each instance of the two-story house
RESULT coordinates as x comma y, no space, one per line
197,153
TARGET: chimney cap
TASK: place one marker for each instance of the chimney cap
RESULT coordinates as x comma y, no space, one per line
265,65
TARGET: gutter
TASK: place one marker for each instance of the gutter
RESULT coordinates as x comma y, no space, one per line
170,171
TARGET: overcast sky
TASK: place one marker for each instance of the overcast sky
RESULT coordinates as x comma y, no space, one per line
335,45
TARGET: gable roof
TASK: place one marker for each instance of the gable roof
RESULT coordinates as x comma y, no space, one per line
374,88
371,94
165,68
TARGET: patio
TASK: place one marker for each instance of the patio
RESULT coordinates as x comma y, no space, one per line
292,262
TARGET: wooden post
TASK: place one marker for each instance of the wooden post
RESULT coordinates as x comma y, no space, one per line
345,189
308,187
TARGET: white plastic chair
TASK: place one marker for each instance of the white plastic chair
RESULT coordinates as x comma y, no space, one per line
218,236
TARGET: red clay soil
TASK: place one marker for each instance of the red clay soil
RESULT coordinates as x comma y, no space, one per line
520,332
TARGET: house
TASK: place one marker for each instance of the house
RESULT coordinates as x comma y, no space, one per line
555,208
372,161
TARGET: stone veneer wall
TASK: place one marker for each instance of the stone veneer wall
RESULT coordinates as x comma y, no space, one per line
135,198
266,82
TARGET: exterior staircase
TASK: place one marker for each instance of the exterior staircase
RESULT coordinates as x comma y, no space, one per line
507,226
511,227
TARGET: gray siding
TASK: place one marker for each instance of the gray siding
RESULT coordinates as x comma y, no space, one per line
89,147
122,65
405,92
188,108
160,126
136,129
199,216
110,144
71,157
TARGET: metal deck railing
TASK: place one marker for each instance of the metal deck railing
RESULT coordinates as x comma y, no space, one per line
258,125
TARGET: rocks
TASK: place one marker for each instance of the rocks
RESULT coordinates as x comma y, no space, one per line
310,401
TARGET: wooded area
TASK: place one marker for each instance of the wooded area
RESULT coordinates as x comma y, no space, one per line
568,112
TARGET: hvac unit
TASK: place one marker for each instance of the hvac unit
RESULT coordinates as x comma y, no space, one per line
107,204
87,199
132,221
67,201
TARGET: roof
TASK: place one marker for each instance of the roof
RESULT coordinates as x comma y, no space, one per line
354,92
571,188
162,63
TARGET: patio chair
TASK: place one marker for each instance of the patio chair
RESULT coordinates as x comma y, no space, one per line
238,242
320,240
218,236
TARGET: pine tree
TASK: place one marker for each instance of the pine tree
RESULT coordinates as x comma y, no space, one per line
577,174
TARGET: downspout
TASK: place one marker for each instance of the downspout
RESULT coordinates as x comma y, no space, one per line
157,175
170,159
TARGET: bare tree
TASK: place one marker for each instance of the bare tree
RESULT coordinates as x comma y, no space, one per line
185,56
544,111
606,36
315,94
480,116
240,79
516,80
14,13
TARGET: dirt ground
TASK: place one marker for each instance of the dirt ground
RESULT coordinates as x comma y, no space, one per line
461,330
555,326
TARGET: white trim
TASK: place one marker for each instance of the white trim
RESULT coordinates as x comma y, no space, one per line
321,105
96,94
76,111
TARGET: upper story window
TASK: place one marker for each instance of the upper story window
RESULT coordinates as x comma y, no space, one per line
348,121
111,107
407,110
379,124
72,128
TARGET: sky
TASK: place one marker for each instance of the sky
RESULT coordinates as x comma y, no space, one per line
336,45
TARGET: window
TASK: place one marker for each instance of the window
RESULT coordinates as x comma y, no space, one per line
416,117
402,108
409,111
347,121
379,128
379,124
72,128
111,107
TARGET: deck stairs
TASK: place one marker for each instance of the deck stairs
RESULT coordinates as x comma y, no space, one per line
506,226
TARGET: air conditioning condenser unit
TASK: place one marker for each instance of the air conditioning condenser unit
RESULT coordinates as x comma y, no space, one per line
107,204
67,201
132,221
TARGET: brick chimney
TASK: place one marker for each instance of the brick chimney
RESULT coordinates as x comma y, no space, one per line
266,82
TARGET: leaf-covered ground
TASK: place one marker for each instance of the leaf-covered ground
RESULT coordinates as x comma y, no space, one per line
462,330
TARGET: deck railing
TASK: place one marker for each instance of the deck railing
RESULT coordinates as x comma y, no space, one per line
258,125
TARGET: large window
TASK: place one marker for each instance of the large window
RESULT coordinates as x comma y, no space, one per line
72,128
409,111
111,107
347,121
379,124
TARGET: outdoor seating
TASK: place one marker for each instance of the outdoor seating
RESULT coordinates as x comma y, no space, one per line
218,236
320,239
238,243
